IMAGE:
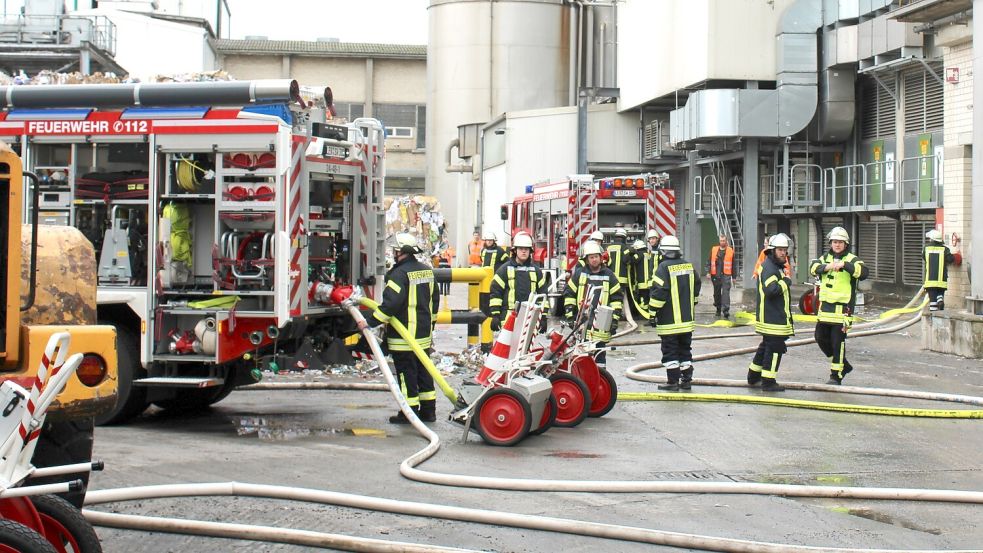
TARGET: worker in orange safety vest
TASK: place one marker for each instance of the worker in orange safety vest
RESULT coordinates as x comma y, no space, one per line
721,275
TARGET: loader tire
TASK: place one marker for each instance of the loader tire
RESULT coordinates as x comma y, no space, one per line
131,400
65,443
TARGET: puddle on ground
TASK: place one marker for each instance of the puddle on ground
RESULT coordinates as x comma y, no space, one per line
574,455
881,517
284,429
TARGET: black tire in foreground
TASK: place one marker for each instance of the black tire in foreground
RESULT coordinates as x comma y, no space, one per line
22,539
65,443
64,522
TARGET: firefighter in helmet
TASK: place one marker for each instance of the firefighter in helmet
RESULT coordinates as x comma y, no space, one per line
410,296
516,280
598,275
675,293
774,319
598,237
620,256
492,255
641,277
937,260
839,272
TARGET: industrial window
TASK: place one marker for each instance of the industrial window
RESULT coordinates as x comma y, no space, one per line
400,120
912,260
923,104
877,108
876,246
348,110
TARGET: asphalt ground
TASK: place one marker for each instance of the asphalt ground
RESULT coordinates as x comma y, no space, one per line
340,440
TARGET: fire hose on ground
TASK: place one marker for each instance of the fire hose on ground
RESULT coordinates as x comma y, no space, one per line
552,524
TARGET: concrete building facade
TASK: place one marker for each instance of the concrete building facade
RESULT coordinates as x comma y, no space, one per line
385,81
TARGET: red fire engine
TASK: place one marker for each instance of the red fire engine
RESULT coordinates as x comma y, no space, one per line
560,215
221,214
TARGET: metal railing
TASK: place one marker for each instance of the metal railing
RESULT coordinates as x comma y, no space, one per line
96,30
844,187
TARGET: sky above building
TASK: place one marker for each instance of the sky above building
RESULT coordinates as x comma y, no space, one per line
383,21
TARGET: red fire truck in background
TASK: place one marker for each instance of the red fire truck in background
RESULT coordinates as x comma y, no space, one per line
561,214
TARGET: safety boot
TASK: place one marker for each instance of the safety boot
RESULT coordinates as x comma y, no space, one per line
771,385
753,377
834,379
672,376
686,380
428,410
400,418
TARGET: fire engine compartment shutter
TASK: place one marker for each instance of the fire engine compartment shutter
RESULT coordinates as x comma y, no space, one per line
912,260
877,247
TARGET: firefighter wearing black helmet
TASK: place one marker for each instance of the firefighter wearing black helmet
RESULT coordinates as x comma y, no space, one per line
516,280
410,297
839,272
774,316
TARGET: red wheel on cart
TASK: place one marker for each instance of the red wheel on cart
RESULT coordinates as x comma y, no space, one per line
605,395
572,399
503,417
548,418
807,302
64,525
21,510
17,538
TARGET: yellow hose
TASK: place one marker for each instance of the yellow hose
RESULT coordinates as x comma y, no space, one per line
420,354
804,404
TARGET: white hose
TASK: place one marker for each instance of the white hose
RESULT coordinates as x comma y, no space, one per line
409,470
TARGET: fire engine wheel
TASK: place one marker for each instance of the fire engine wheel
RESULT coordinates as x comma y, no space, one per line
548,418
131,400
503,417
196,399
605,396
64,525
807,302
17,538
572,399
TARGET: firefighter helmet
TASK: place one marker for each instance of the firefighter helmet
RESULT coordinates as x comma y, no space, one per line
669,244
591,248
779,240
522,240
638,245
934,235
622,233
839,233
652,234
406,243
597,235
489,235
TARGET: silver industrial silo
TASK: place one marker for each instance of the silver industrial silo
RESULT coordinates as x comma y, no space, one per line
486,57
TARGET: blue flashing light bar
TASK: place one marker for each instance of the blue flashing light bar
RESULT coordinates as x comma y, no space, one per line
529,189
73,114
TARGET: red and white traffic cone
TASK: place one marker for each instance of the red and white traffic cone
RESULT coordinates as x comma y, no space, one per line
500,351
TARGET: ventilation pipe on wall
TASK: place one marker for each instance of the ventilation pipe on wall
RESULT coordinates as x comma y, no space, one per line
783,112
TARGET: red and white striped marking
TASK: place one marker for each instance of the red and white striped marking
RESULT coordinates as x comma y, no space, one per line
664,210
500,352
294,222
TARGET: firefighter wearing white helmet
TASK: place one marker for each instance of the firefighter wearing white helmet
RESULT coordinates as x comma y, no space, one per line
492,255
516,280
410,297
937,260
674,295
839,271
773,319
597,237
620,256
596,274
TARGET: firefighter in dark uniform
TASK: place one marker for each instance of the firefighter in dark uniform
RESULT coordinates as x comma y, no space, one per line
493,255
410,297
839,272
774,316
515,281
620,256
937,259
641,277
598,275
675,293
596,236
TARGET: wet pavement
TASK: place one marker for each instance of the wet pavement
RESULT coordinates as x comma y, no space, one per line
340,440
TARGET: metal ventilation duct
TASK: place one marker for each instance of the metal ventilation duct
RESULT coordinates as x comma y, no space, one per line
730,113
